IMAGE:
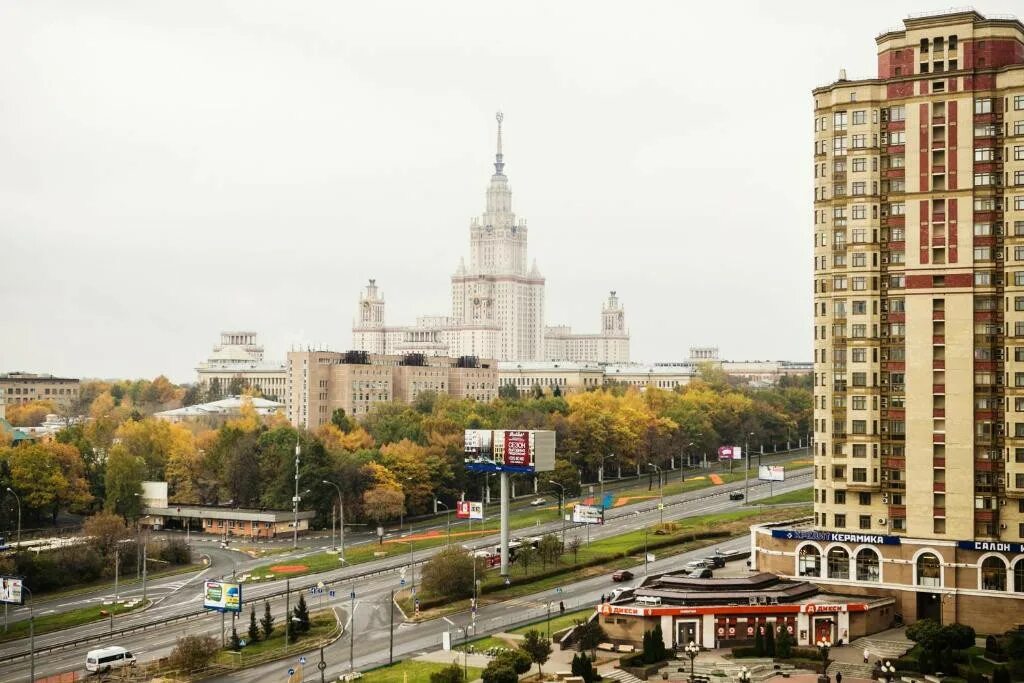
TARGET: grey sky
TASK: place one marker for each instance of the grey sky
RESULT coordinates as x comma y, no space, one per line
168,170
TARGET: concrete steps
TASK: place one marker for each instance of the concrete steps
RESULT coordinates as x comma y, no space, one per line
621,676
850,669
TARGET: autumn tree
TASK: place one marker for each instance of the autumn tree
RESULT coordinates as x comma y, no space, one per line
30,414
124,476
104,531
449,573
48,477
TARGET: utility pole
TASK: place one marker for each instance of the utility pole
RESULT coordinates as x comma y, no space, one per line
31,635
295,500
746,468
144,549
117,567
287,611
352,629
391,644
17,498
561,507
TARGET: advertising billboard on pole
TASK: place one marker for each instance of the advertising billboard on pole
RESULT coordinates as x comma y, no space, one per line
509,450
469,509
10,590
588,514
771,473
730,452
223,596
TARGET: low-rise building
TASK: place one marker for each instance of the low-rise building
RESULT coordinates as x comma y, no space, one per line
644,376
219,411
23,387
217,520
320,382
729,611
568,376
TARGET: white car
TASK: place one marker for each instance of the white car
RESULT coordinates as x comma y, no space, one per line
537,502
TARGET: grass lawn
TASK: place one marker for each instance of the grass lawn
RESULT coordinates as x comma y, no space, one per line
55,622
798,496
487,642
557,623
416,670
614,549
125,581
320,624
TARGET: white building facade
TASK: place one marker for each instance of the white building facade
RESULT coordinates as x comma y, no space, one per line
497,301
239,358
610,345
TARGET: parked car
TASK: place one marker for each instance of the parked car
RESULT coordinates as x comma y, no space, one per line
715,561
735,495
622,575
537,502
695,565
700,574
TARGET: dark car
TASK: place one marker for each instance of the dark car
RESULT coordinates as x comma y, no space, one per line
622,575
715,561
736,495
700,574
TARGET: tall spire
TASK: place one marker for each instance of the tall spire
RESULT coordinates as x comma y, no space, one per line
499,164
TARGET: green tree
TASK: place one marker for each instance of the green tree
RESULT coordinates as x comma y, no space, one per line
566,474
497,672
517,660
582,667
758,643
193,395
124,476
105,531
214,392
784,643
508,392
340,420
573,545
525,555
300,614
537,647
254,629
549,549
267,622
450,674
449,573
590,634
769,640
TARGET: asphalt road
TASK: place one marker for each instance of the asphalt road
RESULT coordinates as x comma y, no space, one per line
372,616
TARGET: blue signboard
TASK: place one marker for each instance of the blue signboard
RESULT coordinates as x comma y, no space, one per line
834,536
989,546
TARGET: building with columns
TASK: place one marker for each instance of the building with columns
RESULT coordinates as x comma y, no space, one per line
237,362
918,234
497,300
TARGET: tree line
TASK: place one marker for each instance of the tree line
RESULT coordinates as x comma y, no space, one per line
394,461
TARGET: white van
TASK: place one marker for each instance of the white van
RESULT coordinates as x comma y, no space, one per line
107,658
648,600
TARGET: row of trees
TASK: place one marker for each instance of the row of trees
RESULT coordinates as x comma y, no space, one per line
394,461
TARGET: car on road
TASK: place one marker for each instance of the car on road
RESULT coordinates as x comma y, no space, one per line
536,502
107,658
715,561
622,575
695,565
735,495
704,573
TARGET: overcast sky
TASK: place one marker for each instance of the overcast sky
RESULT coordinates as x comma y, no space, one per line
172,169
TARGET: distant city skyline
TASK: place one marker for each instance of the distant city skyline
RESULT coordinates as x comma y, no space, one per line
171,171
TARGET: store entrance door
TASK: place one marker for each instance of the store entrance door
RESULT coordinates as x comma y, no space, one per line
686,631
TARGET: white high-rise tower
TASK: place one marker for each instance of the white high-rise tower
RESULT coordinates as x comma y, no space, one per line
497,305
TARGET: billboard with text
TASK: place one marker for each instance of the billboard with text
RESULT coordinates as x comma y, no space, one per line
469,509
10,590
509,450
771,473
223,596
588,514
730,452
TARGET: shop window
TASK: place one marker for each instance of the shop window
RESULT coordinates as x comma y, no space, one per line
867,565
929,570
809,561
993,574
838,563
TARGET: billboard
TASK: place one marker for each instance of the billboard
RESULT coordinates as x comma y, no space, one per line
771,473
10,590
469,509
509,450
223,596
588,514
730,452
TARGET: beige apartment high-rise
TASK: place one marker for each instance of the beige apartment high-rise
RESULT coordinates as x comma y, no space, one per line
320,382
918,234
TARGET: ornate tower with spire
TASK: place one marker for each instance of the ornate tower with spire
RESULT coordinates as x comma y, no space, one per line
497,303
369,332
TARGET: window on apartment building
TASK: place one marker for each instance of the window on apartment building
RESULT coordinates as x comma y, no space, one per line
839,145
858,190
860,164
860,211
984,154
983,253
1018,102
859,141
864,522
860,307
984,179
897,209
1018,127
897,161
839,496
983,105
860,475
859,117
839,120
1018,205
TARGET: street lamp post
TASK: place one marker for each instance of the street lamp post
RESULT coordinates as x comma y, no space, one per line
447,517
17,498
600,474
341,519
561,505
295,501
888,670
661,493
746,467
691,650
824,645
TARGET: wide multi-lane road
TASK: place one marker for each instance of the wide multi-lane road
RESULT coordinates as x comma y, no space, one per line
182,597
